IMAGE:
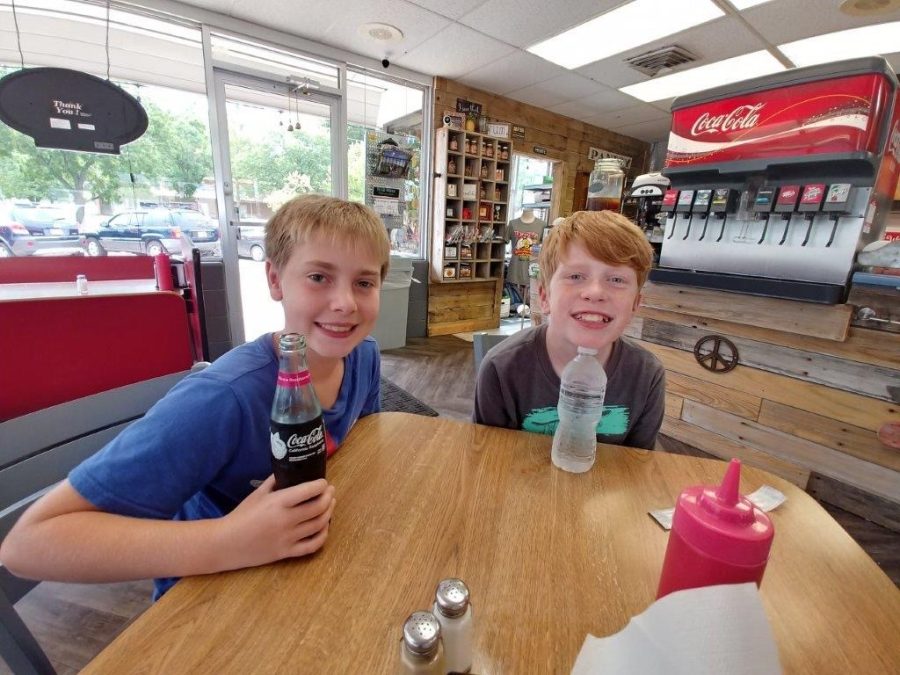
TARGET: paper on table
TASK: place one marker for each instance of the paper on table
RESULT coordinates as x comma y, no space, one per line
715,629
766,499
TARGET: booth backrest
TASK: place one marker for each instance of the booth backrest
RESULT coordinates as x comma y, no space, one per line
37,451
57,350
36,269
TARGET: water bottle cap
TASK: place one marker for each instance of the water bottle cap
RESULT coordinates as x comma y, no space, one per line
722,523
587,350
452,598
421,633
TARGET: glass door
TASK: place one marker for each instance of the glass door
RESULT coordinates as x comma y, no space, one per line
277,140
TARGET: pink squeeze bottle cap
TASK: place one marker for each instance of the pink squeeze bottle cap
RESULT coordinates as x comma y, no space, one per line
728,492
722,522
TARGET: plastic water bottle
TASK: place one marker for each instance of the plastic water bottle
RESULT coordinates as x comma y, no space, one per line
580,408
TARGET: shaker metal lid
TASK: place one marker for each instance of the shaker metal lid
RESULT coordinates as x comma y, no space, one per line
421,633
452,597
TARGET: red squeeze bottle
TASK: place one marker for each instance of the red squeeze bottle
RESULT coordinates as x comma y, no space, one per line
717,537
163,271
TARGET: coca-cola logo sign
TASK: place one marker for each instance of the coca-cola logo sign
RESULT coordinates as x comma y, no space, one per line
742,117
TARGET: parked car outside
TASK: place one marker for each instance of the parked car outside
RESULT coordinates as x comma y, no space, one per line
14,239
154,231
45,228
250,242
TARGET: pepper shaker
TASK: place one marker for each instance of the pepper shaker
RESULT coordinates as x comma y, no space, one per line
421,649
454,612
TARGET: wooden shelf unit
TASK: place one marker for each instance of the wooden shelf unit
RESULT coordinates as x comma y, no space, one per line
471,204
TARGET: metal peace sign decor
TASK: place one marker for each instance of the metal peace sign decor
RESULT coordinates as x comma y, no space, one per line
716,353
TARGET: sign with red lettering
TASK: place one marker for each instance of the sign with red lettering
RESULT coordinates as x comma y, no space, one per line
832,116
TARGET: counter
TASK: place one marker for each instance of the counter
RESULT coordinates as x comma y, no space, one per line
805,401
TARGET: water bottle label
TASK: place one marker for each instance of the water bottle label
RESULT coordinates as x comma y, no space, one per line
294,379
298,451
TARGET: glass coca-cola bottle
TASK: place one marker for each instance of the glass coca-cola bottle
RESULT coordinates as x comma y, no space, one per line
297,431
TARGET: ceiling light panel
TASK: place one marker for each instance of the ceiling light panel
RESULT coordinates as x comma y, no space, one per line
747,4
882,38
631,25
705,77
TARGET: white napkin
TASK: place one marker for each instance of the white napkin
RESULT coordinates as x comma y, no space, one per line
715,630
766,499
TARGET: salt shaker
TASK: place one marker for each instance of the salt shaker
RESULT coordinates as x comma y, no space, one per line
81,285
454,612
421,650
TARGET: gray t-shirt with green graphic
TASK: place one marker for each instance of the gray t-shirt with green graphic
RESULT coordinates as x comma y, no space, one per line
517,388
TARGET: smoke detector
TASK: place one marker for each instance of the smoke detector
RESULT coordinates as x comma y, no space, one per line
665,58
868,7
381,32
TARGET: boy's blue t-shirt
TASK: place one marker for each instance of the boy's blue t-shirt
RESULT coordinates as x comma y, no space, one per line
204,447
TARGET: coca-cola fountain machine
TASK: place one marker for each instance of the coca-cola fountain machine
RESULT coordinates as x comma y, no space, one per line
778,181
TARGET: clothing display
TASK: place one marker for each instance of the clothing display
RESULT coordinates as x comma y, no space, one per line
522,235
518,389
205,446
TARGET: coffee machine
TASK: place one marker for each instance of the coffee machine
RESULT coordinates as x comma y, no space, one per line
643,203
777,182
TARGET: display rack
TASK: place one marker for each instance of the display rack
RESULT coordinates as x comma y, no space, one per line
537,197
386,188
470,207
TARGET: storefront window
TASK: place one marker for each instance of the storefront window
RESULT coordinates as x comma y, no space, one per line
55,202
384,155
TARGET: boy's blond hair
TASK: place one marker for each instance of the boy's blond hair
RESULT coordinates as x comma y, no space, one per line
608,236
337,220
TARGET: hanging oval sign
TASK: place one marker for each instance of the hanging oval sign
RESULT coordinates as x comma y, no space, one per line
70,110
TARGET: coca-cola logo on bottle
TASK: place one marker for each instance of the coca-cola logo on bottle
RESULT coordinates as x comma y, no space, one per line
742,117
296,441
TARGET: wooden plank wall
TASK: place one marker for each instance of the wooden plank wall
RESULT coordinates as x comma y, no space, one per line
563,137
804,408
457,307
463,306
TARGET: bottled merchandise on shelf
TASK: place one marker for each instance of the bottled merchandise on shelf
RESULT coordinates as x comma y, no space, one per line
471,206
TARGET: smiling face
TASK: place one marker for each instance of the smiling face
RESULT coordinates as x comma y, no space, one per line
329,291
590,304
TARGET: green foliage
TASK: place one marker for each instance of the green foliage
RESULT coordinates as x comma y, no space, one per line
173,149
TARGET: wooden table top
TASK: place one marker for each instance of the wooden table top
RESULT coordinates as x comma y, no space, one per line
548,556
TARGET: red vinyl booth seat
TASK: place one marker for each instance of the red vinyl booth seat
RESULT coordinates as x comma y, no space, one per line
59,350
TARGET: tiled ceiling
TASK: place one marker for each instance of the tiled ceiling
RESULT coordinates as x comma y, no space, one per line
482,43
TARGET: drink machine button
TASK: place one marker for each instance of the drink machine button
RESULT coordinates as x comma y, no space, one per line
701,201
669,200
722,200
685,199
765,199
837,198
787,199
811,197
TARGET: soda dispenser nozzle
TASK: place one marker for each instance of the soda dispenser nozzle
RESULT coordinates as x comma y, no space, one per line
729,491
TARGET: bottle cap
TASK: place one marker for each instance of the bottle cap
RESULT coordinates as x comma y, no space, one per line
587,350
452,597
289,342
421,633
722,523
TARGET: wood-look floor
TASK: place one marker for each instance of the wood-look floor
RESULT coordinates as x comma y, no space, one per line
74,622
